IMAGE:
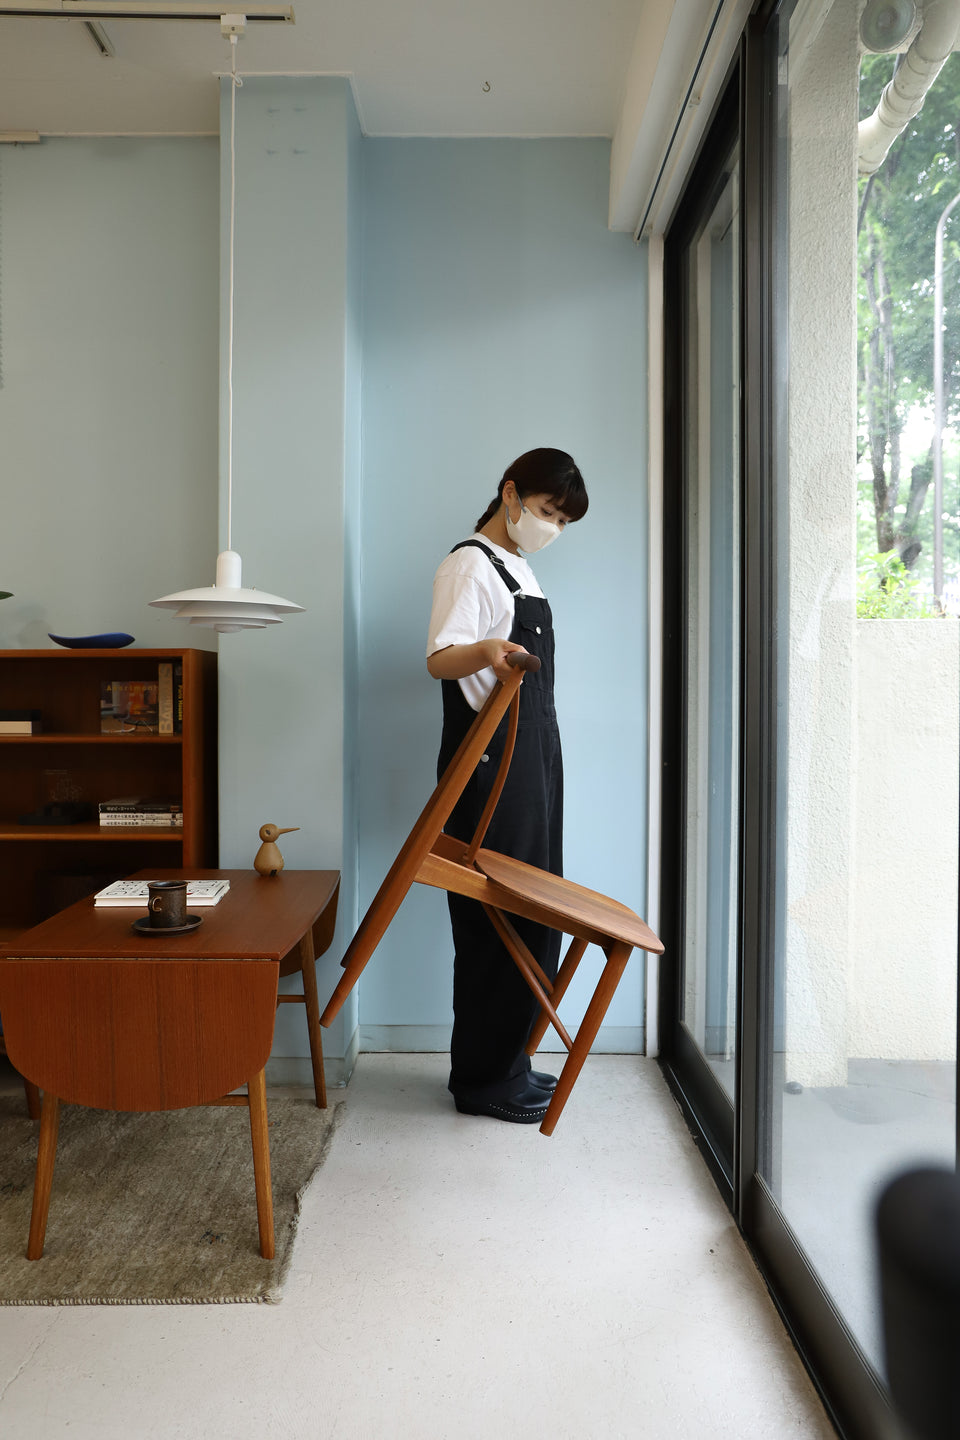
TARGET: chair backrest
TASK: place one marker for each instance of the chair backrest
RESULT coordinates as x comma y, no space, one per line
437,811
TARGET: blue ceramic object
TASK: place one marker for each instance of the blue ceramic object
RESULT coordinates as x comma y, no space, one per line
114,641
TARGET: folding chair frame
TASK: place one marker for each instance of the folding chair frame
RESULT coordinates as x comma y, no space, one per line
505,887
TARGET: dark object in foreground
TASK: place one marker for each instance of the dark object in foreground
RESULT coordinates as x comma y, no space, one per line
918,1233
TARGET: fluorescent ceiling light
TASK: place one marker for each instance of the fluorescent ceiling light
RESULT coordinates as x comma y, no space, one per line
135,10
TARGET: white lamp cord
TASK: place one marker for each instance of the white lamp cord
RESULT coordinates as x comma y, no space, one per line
235,83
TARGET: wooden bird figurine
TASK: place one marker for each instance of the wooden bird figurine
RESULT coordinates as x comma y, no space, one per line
268,860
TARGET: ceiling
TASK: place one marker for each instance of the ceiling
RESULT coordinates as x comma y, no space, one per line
418,67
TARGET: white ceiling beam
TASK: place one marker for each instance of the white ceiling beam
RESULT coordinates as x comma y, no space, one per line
681,56
139,10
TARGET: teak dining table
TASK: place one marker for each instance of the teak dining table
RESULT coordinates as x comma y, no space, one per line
96,1014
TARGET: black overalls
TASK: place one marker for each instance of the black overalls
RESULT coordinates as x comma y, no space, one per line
493,1008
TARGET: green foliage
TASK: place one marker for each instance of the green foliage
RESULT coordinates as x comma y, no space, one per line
917,180
886,591
899,208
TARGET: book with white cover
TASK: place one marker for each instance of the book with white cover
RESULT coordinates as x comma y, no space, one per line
167,820
134,892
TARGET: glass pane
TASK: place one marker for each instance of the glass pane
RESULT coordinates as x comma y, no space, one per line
711,282
864,1081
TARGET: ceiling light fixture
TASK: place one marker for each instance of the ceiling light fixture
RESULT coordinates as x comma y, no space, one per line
225,606
885,24
135,10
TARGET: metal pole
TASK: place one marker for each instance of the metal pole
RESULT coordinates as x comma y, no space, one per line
938,417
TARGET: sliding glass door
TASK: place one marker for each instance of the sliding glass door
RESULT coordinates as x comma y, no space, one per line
704,570
812,672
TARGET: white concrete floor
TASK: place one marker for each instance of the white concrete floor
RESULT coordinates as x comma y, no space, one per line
455,1278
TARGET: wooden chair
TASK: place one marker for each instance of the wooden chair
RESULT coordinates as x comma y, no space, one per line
302,960
157,1035
505,887
30,1090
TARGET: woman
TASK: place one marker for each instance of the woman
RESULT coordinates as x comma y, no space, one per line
486,604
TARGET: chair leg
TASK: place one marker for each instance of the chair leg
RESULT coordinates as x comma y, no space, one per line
617,957
46,1154
564,975
311,1000
33,1098
257,1092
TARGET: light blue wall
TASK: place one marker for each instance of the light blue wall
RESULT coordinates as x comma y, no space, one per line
499,314
108,345
296,414
410,316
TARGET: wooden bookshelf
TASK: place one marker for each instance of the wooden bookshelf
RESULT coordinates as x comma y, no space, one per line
44,867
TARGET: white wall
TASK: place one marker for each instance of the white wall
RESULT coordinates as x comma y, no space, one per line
902,980
819,496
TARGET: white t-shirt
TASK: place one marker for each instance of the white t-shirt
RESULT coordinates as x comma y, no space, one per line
471,602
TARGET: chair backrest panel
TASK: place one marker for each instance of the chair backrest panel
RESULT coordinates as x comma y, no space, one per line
433,817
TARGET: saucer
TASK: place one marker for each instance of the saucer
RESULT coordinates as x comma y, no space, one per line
143,926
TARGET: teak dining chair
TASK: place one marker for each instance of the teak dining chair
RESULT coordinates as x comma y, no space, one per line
505,887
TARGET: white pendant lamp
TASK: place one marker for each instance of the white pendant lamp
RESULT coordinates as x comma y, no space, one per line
226,606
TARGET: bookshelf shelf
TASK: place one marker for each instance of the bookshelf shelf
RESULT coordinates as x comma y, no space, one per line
91,739
93,833
46,866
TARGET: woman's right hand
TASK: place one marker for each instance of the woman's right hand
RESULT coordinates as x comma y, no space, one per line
497,652
457,661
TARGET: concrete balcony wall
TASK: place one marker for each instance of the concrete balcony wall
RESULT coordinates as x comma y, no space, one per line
901,981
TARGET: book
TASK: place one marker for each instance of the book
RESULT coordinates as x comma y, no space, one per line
19,722
126,804
165,698
177,697
139,810
134,893
170,820
129,707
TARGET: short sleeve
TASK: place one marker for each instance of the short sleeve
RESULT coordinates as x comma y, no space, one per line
461,612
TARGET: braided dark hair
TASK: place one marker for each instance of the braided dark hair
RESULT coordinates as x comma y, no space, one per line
543,472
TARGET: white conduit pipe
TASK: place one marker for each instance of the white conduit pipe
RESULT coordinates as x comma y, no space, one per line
904,96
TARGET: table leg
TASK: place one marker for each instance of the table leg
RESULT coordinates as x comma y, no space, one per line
257,1091
46,1154
308,966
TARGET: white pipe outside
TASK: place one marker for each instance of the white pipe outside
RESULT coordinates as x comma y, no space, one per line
904,96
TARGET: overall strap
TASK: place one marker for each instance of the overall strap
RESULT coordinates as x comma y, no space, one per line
512,585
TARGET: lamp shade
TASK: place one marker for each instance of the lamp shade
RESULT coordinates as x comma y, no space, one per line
226,606
885,24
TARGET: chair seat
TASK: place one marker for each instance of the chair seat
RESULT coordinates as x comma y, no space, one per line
582,906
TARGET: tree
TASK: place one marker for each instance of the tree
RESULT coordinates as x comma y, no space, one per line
897,218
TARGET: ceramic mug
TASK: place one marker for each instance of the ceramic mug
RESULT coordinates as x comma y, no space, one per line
167,904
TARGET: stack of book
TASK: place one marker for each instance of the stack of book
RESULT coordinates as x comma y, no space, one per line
140,810
19,722
134,892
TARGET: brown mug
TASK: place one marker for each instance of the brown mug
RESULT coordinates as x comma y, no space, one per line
167,904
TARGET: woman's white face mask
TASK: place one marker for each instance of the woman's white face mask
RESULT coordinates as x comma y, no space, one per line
531,532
